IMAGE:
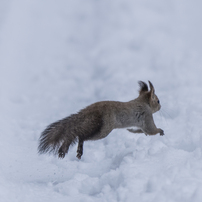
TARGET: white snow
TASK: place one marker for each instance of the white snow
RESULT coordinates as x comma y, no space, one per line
57,57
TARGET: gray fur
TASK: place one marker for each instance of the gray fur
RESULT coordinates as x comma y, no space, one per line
99,119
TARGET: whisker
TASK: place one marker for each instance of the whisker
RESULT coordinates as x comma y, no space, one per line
167,114
161,115
163,118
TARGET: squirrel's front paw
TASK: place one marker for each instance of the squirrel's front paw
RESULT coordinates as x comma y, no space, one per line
161,132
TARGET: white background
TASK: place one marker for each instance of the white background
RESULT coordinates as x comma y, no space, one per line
57,57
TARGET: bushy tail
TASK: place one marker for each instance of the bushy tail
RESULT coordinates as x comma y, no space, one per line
55,135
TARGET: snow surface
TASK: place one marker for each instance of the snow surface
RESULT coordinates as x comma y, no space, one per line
57,57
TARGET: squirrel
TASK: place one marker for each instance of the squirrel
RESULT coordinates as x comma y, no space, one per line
97,120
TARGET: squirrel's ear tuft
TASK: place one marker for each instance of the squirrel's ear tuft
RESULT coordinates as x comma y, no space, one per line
152,90
143,87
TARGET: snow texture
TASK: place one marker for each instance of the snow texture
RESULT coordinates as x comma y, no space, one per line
56,57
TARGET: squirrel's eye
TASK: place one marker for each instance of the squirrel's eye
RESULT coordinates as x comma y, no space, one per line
158,101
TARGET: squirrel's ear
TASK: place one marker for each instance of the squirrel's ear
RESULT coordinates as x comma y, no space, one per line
152,90
143,87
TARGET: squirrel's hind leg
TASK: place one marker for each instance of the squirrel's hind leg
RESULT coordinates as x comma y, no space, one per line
80,149
96,136
63,150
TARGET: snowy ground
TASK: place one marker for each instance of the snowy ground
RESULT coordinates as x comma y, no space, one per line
56,57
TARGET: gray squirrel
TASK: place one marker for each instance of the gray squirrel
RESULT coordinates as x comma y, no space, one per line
97,120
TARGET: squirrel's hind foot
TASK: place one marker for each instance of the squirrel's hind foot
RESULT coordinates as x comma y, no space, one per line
61,154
